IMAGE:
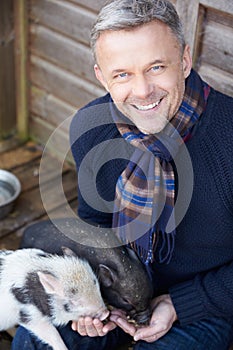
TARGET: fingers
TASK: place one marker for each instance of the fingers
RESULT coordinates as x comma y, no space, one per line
120,320
152,333
162,319
92,327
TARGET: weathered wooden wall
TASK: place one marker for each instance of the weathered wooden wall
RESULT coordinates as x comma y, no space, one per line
208,26
61,67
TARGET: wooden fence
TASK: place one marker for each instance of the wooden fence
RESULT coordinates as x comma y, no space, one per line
59,71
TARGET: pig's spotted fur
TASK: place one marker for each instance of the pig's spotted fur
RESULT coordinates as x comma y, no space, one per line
40,291
24,317
33,293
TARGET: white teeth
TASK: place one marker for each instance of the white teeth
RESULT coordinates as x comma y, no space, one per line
146,108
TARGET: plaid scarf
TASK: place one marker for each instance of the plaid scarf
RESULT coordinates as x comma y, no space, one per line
145,191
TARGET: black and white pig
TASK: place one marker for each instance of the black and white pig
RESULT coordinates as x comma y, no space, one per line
124,280
41,291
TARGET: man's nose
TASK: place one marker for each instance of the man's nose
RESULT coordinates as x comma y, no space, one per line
141,87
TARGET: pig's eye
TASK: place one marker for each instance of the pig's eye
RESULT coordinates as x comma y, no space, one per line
67,307
126,301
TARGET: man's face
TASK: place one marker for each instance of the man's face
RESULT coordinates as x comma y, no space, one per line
144,70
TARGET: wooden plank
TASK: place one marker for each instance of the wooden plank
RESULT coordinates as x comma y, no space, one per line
96,5
217,78
188,12
70,55
30,199
56,140
49,107
224,5
21,57
12,240
91,4
30,174
29,205
200,29
9,143
219,17
56,202
75,91
217,48
7,71
19,156
64,17
63,211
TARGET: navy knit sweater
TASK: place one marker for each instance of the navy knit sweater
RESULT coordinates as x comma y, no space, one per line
199,276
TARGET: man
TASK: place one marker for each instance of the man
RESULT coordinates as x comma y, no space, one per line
156,111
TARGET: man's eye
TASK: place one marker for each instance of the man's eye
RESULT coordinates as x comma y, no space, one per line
122,75
156,68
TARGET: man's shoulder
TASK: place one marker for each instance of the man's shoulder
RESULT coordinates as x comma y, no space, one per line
93,114
93,123
97,101
218,123
219,110
220,101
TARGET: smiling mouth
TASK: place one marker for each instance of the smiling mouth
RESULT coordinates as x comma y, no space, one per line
147,107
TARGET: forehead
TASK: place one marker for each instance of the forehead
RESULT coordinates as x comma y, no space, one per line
153,40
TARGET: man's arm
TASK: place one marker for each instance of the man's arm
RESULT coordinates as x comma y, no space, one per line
209,294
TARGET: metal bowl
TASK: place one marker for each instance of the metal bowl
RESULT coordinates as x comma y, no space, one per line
10,189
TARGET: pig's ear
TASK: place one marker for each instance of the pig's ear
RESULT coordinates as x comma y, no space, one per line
50,283
68,252
106,275
132,253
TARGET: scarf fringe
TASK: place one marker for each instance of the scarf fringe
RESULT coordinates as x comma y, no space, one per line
165,252
167,248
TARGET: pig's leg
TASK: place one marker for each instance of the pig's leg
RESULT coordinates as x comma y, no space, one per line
46,332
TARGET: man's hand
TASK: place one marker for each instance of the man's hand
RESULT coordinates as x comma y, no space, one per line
92,327
163,317
120,319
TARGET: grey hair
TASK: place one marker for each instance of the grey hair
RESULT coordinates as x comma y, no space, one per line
126,14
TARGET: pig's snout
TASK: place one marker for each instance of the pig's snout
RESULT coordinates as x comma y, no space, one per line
142,317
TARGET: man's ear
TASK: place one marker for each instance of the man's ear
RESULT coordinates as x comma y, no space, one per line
187,61
100,77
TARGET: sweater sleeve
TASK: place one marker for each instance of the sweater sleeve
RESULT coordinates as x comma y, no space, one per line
81,143
99,162
207,295
211,293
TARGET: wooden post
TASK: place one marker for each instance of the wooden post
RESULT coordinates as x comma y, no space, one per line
7,71
21,58
188,12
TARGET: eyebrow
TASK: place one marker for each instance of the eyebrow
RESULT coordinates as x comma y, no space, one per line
153,63
158,61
